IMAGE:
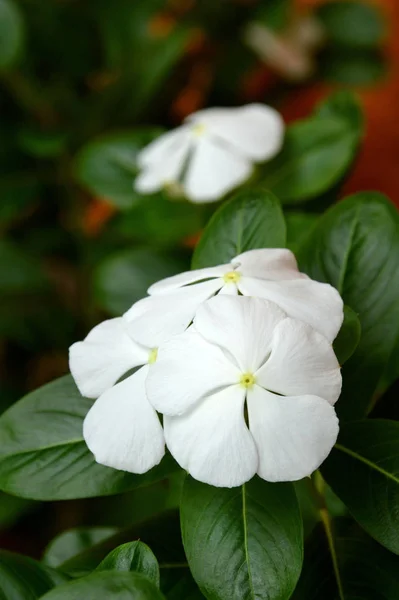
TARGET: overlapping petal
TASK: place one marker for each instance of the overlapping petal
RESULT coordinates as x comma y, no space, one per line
122,429
268,263
301,362
214,170
318,304
103,357
170,284
155,319
242,327
255,130
188,369
160,150
293,434
212,441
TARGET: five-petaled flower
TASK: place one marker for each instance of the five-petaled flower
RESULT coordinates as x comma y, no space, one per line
212,152
246,390
271,274
122,429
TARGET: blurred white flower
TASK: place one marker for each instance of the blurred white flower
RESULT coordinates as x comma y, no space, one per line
212,153
122,429
245,354
271,274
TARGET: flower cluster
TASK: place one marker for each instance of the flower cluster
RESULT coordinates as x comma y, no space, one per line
212,152
238,360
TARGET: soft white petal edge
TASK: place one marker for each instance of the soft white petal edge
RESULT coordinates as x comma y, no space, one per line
103,357
293,434
315,303
268,263
212,441
122,429
243,327
302,361
187,369
170,284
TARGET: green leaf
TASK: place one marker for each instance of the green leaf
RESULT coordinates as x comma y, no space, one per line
72,542
243,542
252,219
109,584
22,578
11,34
43,455
355,247
348,337
316,154
344,105
356,67
363,470
299,226
107,166
177,583
352,24
366,571
123,278
19,272
159,221
133,556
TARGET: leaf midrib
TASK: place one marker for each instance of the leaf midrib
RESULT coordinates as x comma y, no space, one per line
367,462
246,550
43,448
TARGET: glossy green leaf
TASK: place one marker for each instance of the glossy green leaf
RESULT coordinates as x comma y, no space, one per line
348,337
72,542
22,578
11,33
355,247
252,219
108,584
43,455
299,226
133,556
243,542
344,105
107,167
350,23
363,470
316,154
123,278
364,569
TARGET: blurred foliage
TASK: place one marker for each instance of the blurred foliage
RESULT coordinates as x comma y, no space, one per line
83,86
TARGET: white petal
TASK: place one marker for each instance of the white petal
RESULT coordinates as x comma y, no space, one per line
254,130
155,319
159,150
302,361
315,303
187,369
159,174
123,430
229,289
242,327
103,357
293,434
268,263
213,171
212,441
188,277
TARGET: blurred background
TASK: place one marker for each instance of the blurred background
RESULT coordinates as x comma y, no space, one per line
84,83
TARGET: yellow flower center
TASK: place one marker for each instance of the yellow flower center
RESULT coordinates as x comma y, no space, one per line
232,277
199,129
152,357
247,380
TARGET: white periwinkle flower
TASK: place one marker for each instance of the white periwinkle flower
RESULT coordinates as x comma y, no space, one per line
212,152
245,356
122,429
271,274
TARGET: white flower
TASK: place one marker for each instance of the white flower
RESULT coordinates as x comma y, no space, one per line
271,274
122,429
212,153
245,354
